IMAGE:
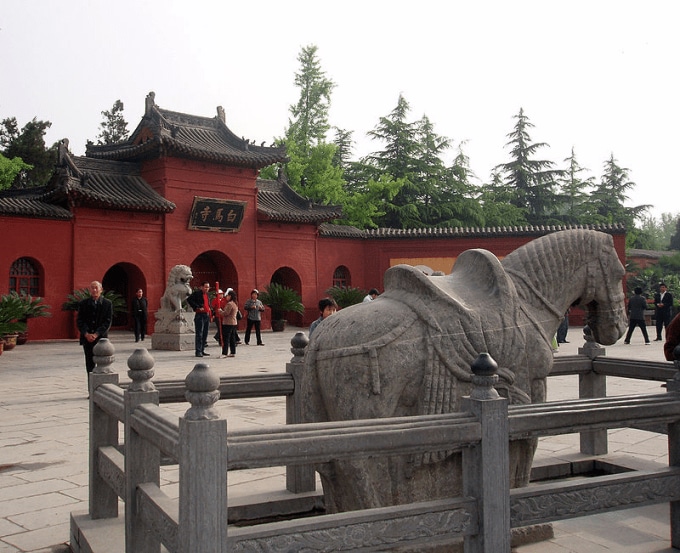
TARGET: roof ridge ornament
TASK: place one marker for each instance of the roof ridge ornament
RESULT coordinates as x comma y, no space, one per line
221,115
149,103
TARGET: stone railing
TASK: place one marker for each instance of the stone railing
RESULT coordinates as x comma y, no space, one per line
197,521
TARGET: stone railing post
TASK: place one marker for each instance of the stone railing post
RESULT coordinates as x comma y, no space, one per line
202,467
142,458
299,478
103,432
673,385
592,385
486,470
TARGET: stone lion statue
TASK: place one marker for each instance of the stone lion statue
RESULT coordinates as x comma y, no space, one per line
178,288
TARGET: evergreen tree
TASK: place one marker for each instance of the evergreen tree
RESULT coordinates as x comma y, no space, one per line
495,201
609,196
114,127
29,146
573,195
533,180
400,160
343,148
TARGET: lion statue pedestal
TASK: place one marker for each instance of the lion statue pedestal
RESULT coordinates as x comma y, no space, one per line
174,328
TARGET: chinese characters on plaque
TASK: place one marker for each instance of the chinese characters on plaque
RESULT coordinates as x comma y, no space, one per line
215,214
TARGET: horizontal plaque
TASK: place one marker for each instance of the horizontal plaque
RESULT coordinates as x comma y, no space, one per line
215,214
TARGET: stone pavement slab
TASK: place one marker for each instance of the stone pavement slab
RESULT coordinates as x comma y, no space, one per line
43,440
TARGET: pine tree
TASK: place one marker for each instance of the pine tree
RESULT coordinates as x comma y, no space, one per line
609,196
573,195
533,180
114,127
400,160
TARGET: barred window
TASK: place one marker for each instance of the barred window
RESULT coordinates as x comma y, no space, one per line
24,277
341,277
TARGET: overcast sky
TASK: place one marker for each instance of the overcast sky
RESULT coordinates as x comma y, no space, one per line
599,76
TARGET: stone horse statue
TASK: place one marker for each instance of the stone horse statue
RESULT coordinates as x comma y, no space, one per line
409,352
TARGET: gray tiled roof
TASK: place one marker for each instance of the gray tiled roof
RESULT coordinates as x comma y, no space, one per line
277,201
162,132
339,231
27,203
80,181
108,185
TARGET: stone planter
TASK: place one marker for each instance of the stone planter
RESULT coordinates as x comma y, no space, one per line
278,325
10,341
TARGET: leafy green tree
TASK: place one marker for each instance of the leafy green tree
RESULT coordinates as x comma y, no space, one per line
533,180
9,169
655,234
28,144
675,238
114,127
309,123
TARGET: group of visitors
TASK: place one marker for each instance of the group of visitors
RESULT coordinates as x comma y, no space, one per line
225,312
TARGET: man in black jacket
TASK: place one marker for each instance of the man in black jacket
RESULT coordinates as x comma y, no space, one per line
200,303
94,321
663,301
140,311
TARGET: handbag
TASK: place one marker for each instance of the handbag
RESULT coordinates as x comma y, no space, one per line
239,315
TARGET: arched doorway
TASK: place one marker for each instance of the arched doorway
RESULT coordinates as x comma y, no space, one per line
213,266
124,279
288,277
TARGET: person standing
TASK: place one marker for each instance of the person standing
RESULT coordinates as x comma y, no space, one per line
228,315
663,302
216,306
254,308
140,312
200,303
94,321
636,309
563,329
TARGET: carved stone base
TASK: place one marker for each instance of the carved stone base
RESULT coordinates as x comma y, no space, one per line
173,342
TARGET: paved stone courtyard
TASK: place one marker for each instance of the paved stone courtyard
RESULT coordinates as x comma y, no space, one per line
43,441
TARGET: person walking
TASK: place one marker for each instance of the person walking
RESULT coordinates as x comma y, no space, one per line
94,321
663,302
140,313
636,309
200,303
254,309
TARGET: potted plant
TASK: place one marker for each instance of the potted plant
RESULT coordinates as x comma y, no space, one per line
33,307
11,311
345,296
281,300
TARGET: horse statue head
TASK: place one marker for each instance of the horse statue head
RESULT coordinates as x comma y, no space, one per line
571,268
